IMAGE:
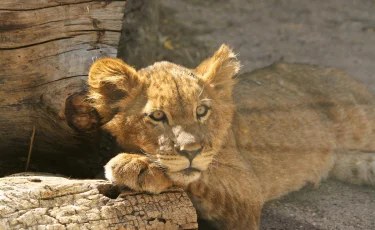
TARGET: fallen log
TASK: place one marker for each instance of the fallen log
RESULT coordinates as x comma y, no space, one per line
51,202
46,49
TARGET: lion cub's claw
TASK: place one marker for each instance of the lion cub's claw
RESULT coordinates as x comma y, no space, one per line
137,173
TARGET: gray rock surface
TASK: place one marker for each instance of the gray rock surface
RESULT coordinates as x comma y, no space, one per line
335,33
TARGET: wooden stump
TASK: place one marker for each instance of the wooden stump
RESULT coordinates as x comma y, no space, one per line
50,202
46,49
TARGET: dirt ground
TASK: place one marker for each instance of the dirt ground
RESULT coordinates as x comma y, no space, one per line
335,33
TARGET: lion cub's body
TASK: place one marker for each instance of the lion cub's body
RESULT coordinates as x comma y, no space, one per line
274,131
293,122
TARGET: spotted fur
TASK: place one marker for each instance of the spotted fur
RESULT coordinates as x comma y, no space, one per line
263,135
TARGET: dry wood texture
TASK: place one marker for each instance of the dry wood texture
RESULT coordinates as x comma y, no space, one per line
46,49
49,202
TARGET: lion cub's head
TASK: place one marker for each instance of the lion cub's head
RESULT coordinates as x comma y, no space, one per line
178,117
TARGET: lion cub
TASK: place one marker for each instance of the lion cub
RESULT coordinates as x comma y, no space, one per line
233,142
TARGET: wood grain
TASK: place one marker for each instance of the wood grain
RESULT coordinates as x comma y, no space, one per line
46,49
51,202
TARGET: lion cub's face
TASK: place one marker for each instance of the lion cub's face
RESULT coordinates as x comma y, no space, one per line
176,116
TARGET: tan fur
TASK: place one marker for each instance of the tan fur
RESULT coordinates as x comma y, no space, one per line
267,133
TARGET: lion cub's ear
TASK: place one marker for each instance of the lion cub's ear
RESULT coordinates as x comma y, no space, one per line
111,81
218,70
112,74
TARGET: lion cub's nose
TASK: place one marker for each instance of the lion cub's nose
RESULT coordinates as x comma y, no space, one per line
189,151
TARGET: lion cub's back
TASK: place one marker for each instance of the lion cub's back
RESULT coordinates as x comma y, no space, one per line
292,117
322,98
299,84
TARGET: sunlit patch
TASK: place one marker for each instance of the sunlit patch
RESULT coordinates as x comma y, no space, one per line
108,173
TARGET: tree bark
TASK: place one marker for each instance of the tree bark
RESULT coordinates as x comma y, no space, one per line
51,202
46,49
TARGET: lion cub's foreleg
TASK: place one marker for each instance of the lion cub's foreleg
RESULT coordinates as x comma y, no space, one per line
228,197
136,172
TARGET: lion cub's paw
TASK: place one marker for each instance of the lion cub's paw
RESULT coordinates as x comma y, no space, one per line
137,173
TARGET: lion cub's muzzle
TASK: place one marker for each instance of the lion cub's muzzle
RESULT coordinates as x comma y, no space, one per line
190,151
189,154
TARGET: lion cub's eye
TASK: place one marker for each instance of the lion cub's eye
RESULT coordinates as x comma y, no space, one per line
202,111
157,115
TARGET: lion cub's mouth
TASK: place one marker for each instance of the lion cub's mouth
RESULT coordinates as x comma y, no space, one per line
185,176
189,171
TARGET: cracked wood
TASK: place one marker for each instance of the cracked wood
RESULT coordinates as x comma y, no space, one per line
46,49
51,202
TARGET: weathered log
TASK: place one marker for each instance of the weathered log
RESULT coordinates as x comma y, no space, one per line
46,49
50,202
